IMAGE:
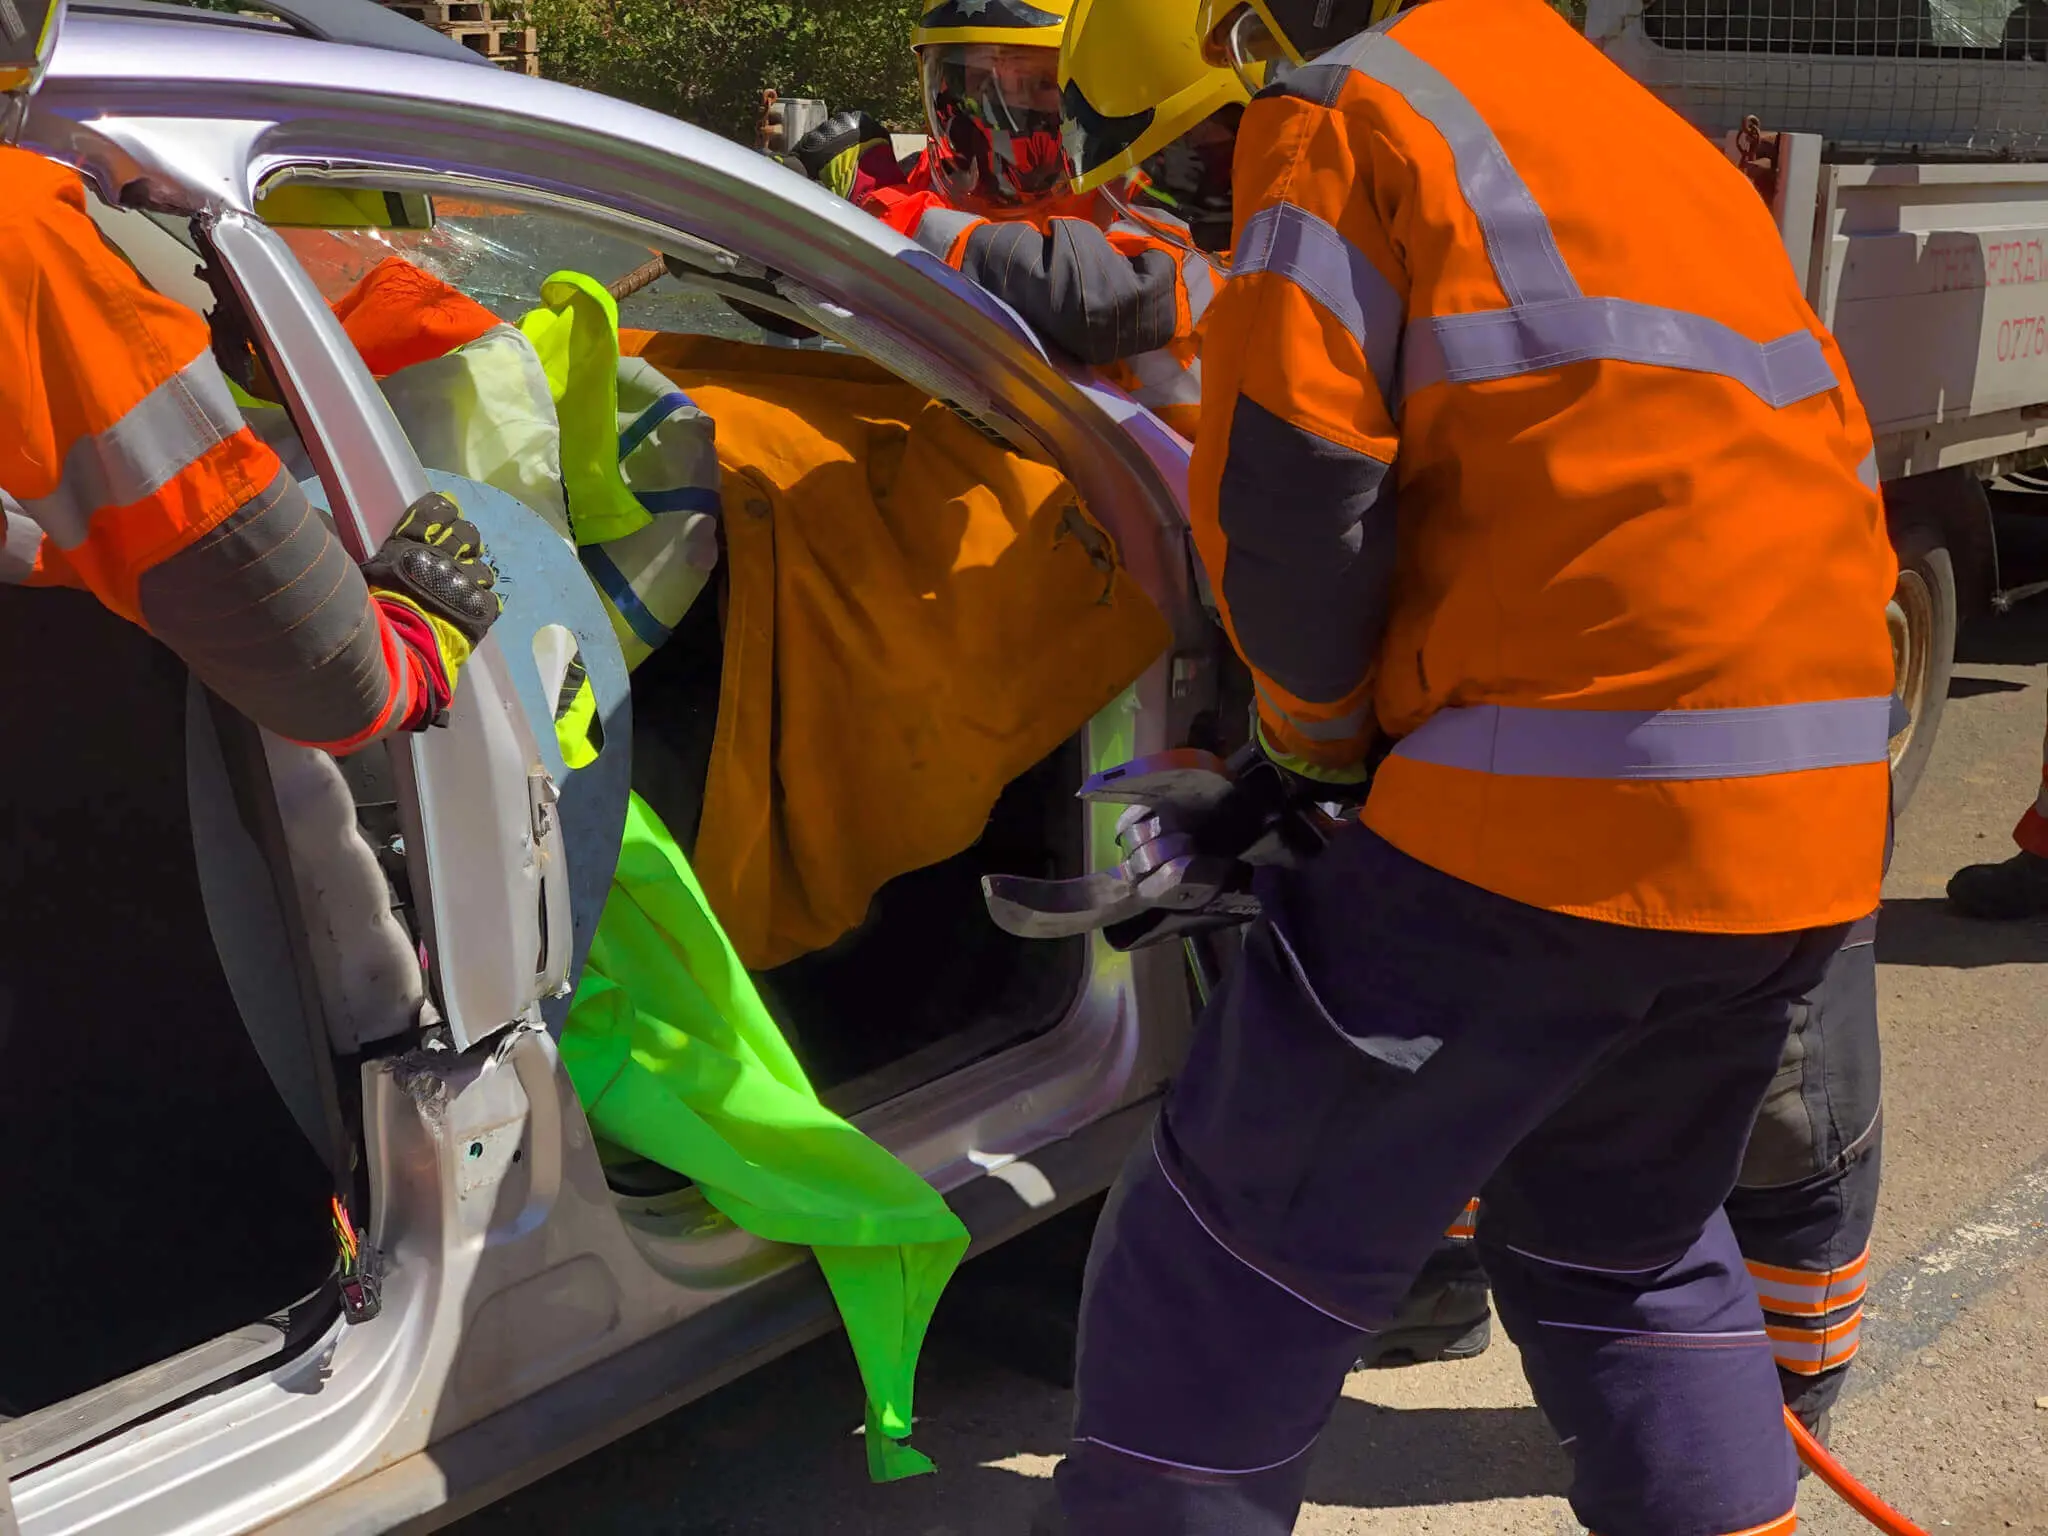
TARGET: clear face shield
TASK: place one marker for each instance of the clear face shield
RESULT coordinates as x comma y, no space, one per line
994,113
1242,41
1182,194
28,36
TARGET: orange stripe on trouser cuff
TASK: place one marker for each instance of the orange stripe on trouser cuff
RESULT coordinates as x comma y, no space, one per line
1810,1293
1810,1351
1468,1220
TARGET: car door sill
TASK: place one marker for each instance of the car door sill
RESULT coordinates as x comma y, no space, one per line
38,1438
542,1433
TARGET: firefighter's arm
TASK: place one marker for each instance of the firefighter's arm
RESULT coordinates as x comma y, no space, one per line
1076,289
1069,280
153,494
1292,487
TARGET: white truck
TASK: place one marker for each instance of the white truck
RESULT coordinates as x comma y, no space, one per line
1903,147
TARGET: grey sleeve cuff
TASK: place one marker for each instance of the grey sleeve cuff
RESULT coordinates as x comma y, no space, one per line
1076,289
269,612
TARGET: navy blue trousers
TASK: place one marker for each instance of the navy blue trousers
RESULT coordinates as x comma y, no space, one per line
1392,1040
1805,1201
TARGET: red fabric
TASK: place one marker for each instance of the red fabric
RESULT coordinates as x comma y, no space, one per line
919,177
875,170
399,315
402,666
433,689
2032,832
902,207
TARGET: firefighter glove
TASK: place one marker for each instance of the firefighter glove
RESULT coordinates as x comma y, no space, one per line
849,154
434,584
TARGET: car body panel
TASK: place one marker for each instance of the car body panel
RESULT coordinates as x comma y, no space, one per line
514,1277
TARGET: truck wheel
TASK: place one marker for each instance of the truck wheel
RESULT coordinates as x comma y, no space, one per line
1922,620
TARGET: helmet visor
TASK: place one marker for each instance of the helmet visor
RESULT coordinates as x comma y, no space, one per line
994,110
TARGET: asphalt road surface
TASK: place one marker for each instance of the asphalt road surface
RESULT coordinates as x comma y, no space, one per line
1947,1414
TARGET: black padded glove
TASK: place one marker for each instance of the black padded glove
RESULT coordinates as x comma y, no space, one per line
435,562
834,153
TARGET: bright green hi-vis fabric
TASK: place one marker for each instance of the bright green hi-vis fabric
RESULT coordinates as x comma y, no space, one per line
576,333
675,1058
640,462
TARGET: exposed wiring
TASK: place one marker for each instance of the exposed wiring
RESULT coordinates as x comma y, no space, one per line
344,1233
1839,1478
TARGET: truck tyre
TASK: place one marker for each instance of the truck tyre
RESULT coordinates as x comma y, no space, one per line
1922,619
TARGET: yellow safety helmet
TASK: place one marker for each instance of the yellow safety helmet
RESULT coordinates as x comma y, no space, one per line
988,71
1296,30
1133,79
1033,23
28,36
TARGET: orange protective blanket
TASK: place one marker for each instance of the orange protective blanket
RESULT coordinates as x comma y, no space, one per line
915,616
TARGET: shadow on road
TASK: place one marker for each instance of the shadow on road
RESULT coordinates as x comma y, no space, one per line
777,1452
1924,930
1977,687
1394,1458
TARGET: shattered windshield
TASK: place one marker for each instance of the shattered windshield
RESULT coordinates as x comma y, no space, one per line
499,256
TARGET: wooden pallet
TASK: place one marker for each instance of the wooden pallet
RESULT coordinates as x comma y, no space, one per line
440,14
497,29
493,38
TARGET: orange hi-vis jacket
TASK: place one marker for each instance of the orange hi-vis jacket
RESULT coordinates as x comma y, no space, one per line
128,470
1099,283
1520,443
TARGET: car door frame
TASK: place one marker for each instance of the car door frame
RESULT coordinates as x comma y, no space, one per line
159,121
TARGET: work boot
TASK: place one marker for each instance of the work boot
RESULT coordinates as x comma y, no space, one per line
2002,892
1445,1316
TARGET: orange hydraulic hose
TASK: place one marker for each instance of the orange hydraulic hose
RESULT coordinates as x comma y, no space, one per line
1839,1478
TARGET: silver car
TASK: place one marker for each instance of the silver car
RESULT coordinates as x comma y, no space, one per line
195,1052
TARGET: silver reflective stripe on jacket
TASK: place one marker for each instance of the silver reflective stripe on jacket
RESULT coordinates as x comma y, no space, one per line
1162,379
940,227
1549,322
1343,728
1310,253
20,538
1663,744
162,433
1199,278
1498,344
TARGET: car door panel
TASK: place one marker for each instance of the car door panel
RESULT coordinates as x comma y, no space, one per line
513,1273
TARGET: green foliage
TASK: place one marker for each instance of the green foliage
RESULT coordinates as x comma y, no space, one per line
708,60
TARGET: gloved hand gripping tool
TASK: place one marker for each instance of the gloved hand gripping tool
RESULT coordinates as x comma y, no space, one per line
1196,829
